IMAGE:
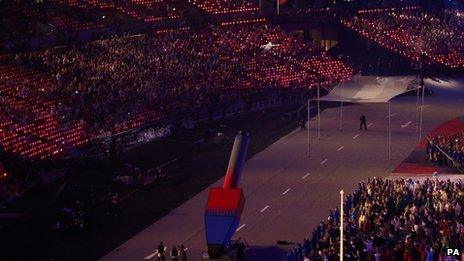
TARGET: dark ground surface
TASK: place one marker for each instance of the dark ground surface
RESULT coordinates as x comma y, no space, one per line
32,237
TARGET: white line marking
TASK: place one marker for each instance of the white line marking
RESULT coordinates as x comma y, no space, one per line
264,209
286,191
150,256
392,115
341,147
370,124
406,124
355,136
305,176
324,161
240,227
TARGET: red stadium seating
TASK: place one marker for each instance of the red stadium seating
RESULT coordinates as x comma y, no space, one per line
413,33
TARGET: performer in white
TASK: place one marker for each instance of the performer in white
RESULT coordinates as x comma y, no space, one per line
268,46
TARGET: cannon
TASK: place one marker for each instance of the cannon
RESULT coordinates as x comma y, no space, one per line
225,204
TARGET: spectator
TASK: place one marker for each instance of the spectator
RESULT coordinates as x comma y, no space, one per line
174,254
182,253
161,255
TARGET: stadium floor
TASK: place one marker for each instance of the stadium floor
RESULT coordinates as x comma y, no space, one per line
287,193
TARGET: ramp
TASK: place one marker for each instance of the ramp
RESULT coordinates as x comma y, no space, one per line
371,89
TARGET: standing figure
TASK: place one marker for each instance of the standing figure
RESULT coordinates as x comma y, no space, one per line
161,256
362,123
174,254
182,253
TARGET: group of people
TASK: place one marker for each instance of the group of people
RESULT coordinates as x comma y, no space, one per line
413,33
446,150
177,253
400,219
121,83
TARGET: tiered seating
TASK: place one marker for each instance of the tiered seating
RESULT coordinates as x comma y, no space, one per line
66,20
26,19
413,33
147,10
83,4
14,23
288,63
119,84
227,6
144,10
71,24
29,126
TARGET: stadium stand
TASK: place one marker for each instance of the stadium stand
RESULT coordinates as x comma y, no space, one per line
39,18
446,150
226,6
117,84
412,32
400,219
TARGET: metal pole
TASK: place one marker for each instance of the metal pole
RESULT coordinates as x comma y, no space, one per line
278,11
389,130
417,109
341,108
421,111
307,128
318,111
341,224
422,64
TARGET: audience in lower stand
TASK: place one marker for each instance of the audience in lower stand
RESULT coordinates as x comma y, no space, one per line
446,149
391,220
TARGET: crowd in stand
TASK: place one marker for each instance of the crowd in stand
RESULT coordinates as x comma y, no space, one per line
446,149
391,220
113,85
412,33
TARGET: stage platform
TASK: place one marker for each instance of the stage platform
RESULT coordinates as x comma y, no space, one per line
371,89
287,193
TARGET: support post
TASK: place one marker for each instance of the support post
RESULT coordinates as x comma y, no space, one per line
341,108
389,130
318,111
422,65
341,223
307,128
421,111
278,7
417,108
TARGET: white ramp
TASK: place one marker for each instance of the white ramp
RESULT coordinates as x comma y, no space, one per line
370,89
